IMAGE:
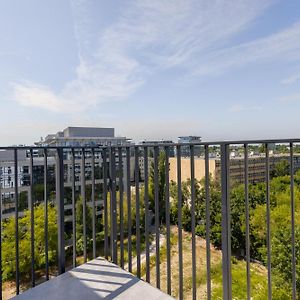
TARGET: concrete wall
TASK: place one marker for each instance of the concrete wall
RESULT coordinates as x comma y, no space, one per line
186,168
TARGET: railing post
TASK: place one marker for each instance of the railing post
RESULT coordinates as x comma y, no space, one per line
226,237
137,211
113,205
128,196
83,198
16,188
60,209
104,176
0,240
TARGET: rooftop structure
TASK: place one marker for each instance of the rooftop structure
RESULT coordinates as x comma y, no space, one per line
84,136
190,139
156,142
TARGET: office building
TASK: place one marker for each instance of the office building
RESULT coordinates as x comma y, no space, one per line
186,150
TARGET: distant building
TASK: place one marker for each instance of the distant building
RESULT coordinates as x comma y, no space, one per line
186,168
72,137
256,168
191,139
156,142
84,136
7,170
161,143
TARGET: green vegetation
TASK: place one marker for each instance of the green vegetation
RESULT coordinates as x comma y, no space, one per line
280,225
125,212
282,168
280,232
8,242
239,284
161,186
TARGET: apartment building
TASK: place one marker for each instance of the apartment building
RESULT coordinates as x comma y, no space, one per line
71,136
256,167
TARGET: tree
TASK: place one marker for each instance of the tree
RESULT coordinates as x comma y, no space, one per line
125,212
161,186
8,241
281,168
79,225
280,222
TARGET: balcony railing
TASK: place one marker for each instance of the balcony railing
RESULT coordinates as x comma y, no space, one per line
128,195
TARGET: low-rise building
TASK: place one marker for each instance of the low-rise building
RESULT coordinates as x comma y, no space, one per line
256,167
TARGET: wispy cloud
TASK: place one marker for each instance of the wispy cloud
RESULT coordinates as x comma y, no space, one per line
240,107
280,46
148,36
36,95
291,79
291,98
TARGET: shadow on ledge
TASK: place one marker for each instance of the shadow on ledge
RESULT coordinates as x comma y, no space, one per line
97,279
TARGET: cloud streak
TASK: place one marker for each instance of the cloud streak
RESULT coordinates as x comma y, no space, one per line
291,79
240,108
291,98
149,36
281,46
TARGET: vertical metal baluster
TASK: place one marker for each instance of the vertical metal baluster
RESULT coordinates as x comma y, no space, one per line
93,204
207,222
137,208
179,194
268,222
246,178
167,195
193,221
46,213
104,168
31,208
226,231
157,229
128,192
146,199
17,220
113,205
0,239
73,207
60,209
293,221
120,154
83,196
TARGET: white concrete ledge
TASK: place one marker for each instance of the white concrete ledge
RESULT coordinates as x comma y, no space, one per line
97,279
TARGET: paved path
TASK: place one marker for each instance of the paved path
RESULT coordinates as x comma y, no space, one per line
94,280
152,251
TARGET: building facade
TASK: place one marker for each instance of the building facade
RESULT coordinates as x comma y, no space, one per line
84,136
256,168
186,150
72,137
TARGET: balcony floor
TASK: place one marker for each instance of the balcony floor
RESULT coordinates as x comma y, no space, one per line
96,279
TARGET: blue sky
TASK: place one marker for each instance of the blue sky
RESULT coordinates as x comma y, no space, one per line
151,69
